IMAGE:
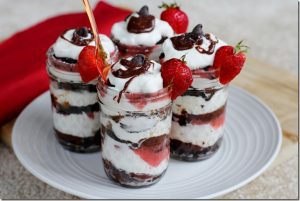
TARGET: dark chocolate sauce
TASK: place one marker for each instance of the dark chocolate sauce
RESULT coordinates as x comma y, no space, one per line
195,38
211,47
143,23
81,36
183,42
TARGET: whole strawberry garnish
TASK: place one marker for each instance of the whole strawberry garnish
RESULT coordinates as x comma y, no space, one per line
177,74
230,60
89,67
177,19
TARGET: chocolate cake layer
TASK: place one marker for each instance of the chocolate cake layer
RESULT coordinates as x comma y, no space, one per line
206,94
159,142
66,60
189,152
186,118
131,179
79,144
72,86
67,109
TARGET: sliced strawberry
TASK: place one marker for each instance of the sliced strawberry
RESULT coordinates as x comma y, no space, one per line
177,74
89,67
154,150
230,61
218,122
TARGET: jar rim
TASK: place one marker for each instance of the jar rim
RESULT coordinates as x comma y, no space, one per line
133,97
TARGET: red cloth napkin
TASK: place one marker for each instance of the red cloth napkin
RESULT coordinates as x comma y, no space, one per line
22,62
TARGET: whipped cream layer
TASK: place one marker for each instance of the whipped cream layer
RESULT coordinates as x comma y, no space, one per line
194,59
80,125
134,128
161,29
198,105
200,135
122,157
64,48
74,98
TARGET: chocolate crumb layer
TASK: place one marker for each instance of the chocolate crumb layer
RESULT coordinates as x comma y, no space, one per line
79,144
130,180
73,86
185,118
189,152
67,109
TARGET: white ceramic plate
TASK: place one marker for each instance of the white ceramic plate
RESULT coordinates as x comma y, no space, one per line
251,142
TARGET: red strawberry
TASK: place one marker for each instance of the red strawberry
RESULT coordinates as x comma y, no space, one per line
89,67
230,61
154,150
174,72
177,19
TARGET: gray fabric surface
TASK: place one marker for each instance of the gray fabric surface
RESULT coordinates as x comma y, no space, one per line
268,26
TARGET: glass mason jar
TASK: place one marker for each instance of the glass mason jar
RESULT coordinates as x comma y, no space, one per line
75,106
135,135
198,118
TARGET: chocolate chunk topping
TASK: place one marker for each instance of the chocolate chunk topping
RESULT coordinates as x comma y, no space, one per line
81,36
197,32
142,24
144,11
82,32
138,60
162,55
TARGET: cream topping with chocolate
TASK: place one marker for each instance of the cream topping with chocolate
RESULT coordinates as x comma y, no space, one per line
198,48
136,75
141,29
72,41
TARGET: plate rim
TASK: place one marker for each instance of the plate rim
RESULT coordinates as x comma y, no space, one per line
61,187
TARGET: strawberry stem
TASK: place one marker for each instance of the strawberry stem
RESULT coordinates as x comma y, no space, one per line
240,47
166,6
183,58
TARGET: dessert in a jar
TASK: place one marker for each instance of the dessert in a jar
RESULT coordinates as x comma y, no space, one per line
135,122
75,104
141,33
198,114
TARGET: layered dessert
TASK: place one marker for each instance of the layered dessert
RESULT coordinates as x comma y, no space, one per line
198,114
135,122
75,104
141,33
